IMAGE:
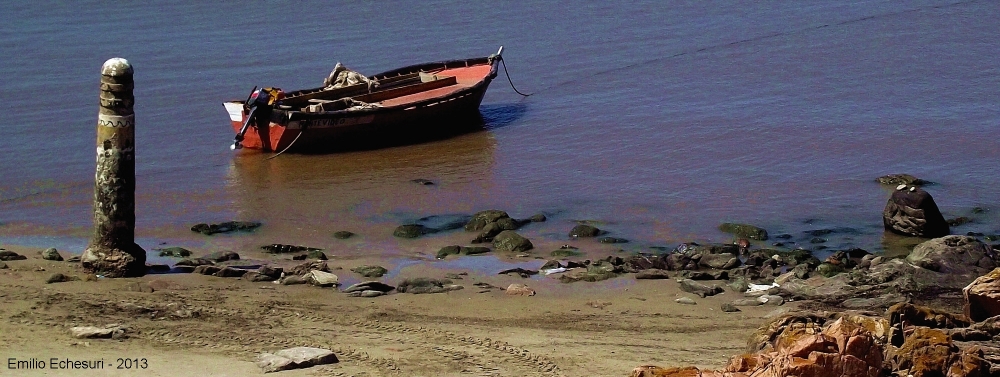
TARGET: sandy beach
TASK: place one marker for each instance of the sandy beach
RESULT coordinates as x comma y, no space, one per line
191,324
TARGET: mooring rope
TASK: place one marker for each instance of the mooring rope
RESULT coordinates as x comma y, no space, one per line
508,78
301,131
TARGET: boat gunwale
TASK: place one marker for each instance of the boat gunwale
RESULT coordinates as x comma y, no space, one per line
298,115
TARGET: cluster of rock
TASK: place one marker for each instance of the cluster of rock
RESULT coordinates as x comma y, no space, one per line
492,226
935,266
908,340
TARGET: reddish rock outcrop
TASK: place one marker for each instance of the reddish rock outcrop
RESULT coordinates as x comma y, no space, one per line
982,297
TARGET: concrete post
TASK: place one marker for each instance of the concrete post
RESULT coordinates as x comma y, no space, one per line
113,252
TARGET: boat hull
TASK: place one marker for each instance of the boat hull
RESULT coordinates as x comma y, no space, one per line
418,117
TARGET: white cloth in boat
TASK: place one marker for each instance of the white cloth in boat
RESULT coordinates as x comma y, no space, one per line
342,76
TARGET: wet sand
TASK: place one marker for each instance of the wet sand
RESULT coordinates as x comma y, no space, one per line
601,329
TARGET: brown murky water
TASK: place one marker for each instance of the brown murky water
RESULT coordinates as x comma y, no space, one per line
656,121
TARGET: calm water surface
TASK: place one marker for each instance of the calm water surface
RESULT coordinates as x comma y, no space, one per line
659,120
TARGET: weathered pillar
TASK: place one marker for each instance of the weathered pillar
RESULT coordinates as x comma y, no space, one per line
113,252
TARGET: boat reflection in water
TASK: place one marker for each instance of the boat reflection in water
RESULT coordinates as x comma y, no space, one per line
305,198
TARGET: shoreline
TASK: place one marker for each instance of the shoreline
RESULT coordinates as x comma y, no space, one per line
602,327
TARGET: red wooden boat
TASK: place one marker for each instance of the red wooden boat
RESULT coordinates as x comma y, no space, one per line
407,105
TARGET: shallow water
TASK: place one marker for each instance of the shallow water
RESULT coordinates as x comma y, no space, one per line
657,120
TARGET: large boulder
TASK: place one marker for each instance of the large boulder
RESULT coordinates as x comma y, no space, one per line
982,297
955,255
911,211
510,241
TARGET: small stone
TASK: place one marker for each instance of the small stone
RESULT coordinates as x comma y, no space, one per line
322,279
744,230
369,286
293,280
370,271
52,254
685,301
222,256
652,273
316,255
229,272
294,358
746,302
519,290
612,240
584,230
343,235
206,269
510,241
57,278
226,227
729,308
92,332
773,300
412,231
137,286
7,255
537,218
178,252
3,266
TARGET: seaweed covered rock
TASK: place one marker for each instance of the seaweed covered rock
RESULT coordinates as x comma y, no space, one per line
370,271
900,179
593,272
225,227
412,231
343,234
584,230
177,252
508,240
744,230
481,218
278,248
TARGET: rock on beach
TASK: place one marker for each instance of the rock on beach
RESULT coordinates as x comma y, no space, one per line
295,358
